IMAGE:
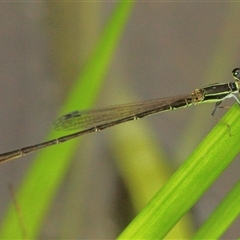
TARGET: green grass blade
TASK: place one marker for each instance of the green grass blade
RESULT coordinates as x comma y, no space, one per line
142,164
222,217
47,171
189,182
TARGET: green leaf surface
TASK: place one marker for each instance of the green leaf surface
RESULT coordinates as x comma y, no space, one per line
48,170
223,216
142,163
189,182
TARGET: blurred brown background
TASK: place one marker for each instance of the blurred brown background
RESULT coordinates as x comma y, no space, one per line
167,49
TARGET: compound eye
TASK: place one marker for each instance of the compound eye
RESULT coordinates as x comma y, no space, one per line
236,73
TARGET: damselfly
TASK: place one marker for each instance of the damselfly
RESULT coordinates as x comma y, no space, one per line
95,120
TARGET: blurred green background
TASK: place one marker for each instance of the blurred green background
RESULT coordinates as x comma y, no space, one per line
166,49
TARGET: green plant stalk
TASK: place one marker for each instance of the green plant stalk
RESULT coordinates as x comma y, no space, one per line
46,173
190,181
222,217
142,164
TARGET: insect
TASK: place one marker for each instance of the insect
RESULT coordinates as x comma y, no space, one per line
94,120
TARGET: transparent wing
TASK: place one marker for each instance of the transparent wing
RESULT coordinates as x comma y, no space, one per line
94,117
